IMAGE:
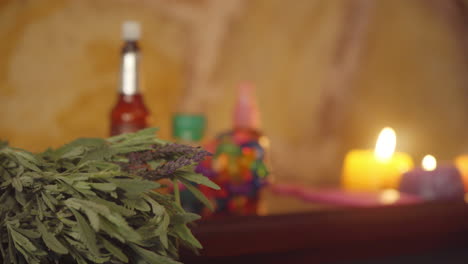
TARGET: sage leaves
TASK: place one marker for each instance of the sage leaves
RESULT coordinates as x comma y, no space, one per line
97,201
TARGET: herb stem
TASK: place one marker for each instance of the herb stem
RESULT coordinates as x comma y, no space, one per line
176,191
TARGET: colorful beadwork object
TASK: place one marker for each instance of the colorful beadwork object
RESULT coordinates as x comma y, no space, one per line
238,162
238,167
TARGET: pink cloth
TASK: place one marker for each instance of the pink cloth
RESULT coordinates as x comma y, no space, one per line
340,197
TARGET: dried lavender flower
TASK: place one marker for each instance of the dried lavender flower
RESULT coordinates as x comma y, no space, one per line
175,156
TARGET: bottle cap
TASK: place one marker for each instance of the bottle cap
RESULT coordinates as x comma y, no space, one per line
190,127
130,30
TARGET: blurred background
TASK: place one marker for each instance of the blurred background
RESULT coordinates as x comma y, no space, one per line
329,74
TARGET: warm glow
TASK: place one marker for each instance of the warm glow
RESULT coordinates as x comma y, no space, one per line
264,142
386,143
429,163
389,196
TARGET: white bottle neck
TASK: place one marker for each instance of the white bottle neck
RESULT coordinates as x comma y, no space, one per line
129,72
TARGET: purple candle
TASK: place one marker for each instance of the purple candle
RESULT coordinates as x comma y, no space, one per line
432,182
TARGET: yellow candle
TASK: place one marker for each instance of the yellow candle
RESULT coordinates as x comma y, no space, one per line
368,170
461,162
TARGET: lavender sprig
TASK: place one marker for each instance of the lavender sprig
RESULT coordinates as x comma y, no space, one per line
173,149
177,156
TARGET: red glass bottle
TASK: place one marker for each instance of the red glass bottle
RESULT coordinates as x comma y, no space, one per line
130,113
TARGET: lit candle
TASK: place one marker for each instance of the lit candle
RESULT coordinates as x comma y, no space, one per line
432,181
462,164
368,170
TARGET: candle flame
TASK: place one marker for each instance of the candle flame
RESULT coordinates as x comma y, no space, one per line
429,163
386,143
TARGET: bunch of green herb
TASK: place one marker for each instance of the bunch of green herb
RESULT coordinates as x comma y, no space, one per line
93,201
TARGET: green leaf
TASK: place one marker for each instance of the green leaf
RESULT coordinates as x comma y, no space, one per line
91,210
115,251
148,230
16,183
82,185
102,152
29,233
185,234
49,200
135,186
197,178
184,218
152,257
124,228
99,168
161,231
50,240
27,256
26,181
111,230
27,160
40,208
128,149
76,255
11,248
21,240
97,259
105,187
87,235
76,152
113,206
138,204
6,182
20,197
157,208
76,147
199,195
141,136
